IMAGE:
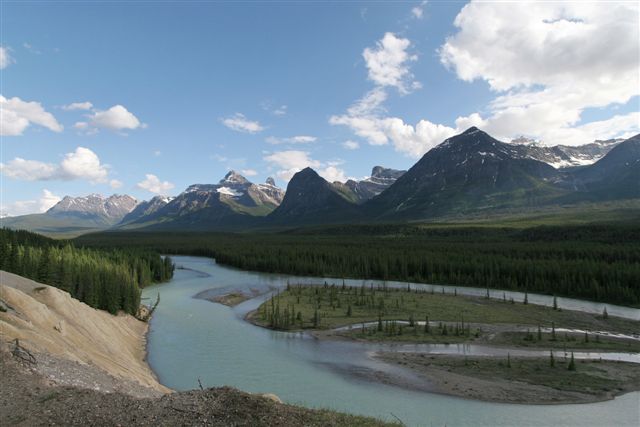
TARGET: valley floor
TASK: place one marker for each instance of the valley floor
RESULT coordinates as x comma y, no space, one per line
388,315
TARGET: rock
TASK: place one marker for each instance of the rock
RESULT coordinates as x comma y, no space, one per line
59,327
272,397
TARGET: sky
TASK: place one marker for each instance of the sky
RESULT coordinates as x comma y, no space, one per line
147,98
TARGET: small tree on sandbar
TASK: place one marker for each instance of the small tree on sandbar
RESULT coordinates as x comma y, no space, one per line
572,363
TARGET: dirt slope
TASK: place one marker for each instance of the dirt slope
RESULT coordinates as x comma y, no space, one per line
50,322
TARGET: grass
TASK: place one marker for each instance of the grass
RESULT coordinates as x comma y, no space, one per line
591,377
566,341
417,334
331,306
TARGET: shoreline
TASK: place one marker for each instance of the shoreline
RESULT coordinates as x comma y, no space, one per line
443,380
145,360
451,383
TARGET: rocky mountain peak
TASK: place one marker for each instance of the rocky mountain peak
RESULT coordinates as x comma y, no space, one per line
471,131
233,177
114,207
270,181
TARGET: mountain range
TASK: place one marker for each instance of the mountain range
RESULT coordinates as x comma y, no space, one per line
75,215
468,173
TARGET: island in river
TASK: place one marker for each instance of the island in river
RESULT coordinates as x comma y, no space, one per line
392,314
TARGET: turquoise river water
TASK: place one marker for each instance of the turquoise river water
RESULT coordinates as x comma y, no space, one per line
191,339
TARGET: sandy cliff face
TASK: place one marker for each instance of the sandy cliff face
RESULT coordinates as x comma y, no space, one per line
48,320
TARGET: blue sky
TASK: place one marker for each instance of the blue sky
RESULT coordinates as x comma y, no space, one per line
147,98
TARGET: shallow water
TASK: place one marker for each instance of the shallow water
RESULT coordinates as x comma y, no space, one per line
193,339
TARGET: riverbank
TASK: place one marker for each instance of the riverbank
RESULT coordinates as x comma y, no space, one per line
29,398
518,380
383,315
502,335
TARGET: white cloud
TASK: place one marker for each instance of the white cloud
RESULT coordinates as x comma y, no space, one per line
25,207
418,11
388,62
5,58
115,183
292,161
17,115
548,62
116,118
249,172
280,111
153,184
219,158
332,174
388,66
351,145
299,139
240,123
157,153
81,164
78,106
47,200
29,170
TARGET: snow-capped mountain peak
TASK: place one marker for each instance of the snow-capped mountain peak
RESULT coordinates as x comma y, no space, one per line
562,156
233,177
113,207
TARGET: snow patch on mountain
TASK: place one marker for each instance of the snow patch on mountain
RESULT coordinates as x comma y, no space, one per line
229,191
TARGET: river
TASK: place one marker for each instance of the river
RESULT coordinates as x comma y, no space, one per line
191,339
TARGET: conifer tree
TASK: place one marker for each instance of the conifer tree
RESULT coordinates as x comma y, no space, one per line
572,363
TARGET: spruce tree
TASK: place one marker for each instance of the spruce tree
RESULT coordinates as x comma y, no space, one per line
572,363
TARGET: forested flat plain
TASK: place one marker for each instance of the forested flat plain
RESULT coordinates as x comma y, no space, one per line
599,262
108,279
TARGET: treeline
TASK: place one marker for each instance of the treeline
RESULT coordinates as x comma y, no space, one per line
105,279
599,263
